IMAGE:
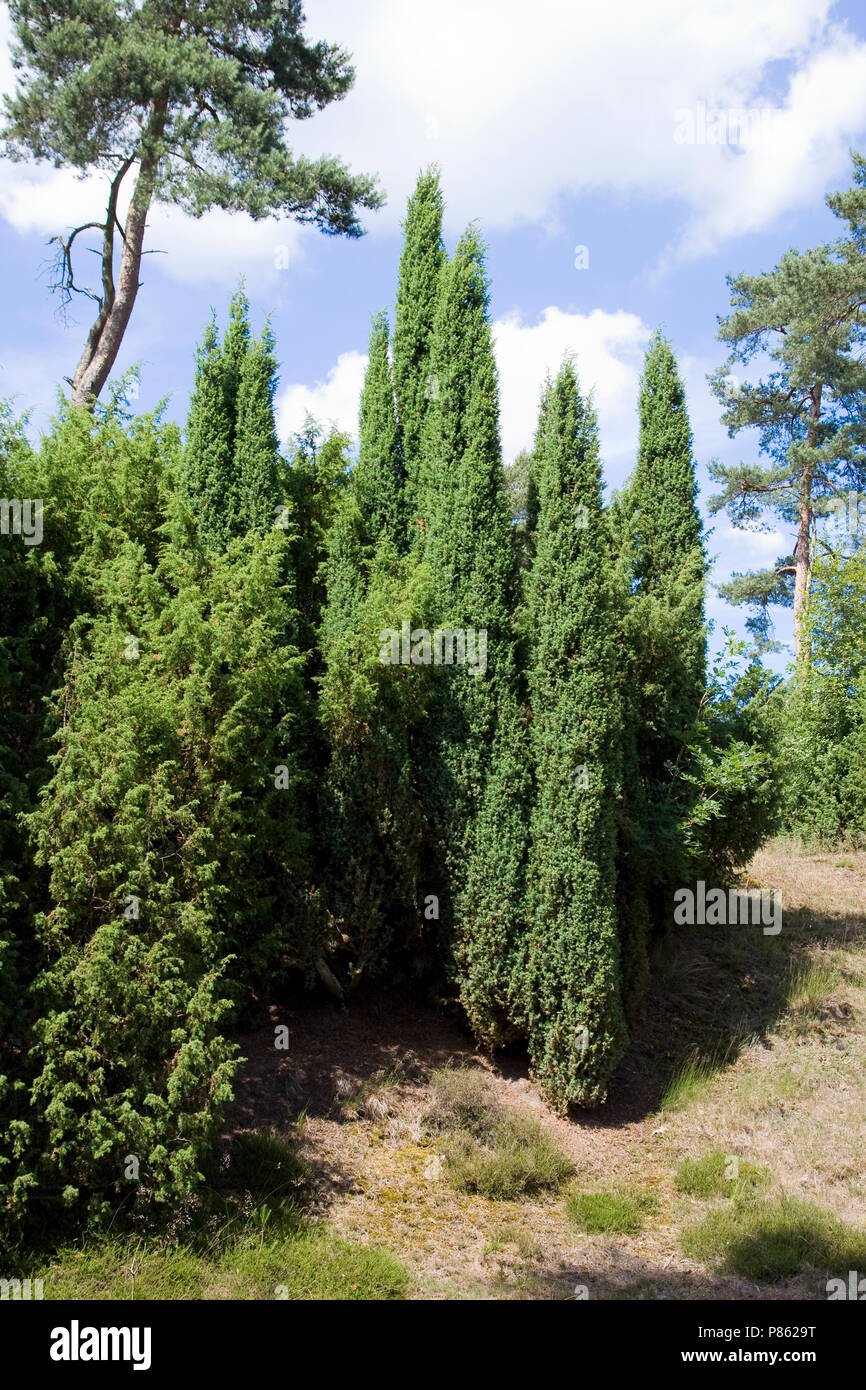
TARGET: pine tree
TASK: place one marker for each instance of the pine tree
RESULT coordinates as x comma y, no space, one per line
377,479
193,102
806,315
415,381
577,1032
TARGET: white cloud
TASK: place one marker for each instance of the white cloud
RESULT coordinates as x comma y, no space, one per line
222,246
575,98
608,351
333,401
217,247
580,97
739,550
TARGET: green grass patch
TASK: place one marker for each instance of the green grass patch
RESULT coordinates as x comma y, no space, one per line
775,1238
690,1083
244,1236
487,1148
716,1174
618,1212
259,1164
810,985
310,1263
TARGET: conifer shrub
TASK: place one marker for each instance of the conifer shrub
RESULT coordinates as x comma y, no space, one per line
472,752
577,1030
173,865
372,824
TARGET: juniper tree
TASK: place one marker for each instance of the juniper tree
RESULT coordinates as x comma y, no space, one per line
170,833
377,479
668,549
475,773
207,475
34,611
258,470
371,823
231,475
664,568
190,101
807,315
370,818
317,479
576,1028
415,382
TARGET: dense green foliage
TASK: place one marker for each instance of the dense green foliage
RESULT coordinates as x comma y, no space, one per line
415,381
408,716
662,565
172,861
474,771
378,475
577,1032
371,823
807,316
823,733
231,475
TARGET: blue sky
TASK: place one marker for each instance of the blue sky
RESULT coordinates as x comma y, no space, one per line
555,127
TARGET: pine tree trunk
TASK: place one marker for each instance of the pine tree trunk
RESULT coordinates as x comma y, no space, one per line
106,335
803,553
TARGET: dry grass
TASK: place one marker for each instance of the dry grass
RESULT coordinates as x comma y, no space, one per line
747,1045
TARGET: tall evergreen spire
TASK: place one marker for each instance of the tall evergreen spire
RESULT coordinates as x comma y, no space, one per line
256,454
577,1031
665,565
421,261
668,528
207,468
230,473
378,476
475,765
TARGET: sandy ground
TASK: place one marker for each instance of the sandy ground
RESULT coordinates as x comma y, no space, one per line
352,1088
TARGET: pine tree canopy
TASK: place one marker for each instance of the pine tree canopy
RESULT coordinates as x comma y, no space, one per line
807,315
192,96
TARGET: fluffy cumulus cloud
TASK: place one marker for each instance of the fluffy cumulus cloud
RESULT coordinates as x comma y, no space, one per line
332,401
521,108
213,249
608,350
